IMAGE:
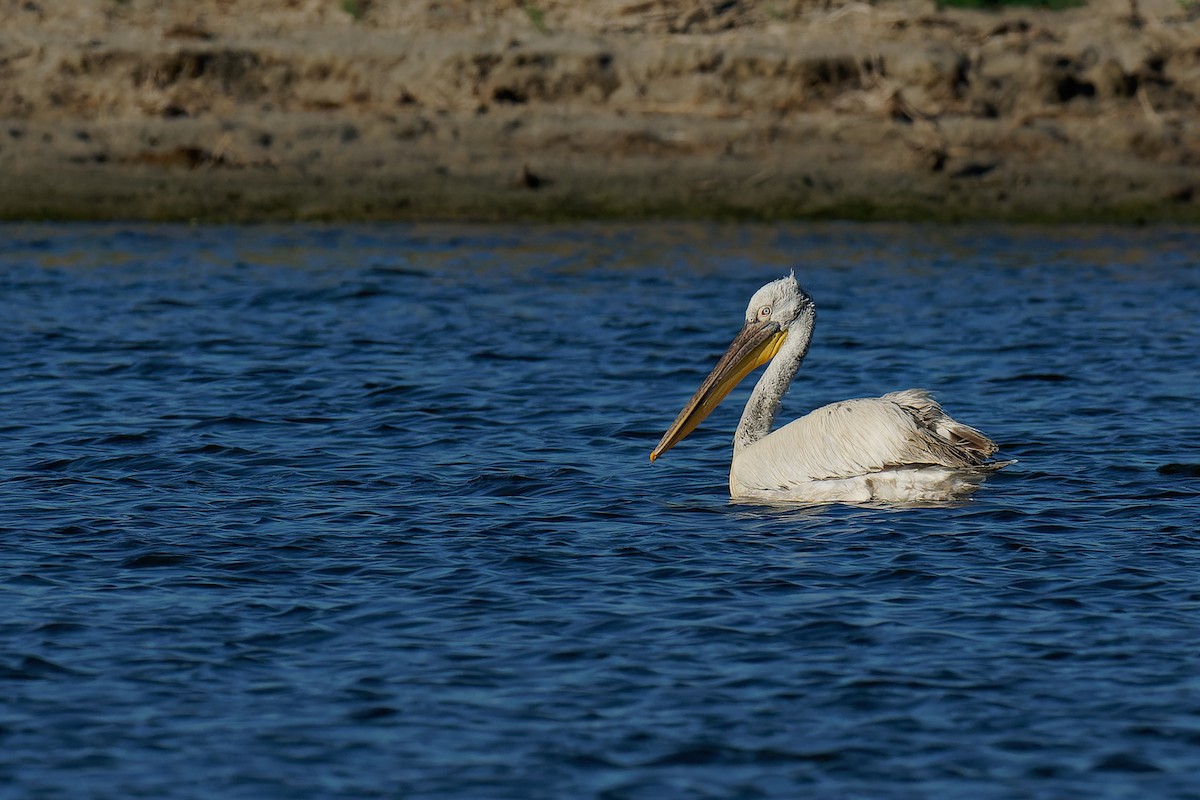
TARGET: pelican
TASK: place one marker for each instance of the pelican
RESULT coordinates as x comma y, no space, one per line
901,447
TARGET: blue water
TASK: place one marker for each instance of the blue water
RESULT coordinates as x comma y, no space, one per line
322,512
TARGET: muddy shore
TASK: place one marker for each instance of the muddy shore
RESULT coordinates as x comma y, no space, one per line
491,109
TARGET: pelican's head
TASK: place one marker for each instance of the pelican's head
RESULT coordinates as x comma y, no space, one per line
780,301
770,314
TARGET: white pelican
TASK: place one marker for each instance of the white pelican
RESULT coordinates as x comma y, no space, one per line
899,447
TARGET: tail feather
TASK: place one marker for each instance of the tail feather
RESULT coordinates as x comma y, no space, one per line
966,438
968,441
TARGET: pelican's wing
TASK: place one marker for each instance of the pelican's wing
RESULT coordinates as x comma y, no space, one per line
963,440
858,437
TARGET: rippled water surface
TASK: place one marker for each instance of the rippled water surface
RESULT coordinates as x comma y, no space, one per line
367,512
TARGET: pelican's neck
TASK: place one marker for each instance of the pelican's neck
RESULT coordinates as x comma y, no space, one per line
763,406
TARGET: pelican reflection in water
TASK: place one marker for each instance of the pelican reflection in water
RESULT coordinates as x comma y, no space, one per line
900,447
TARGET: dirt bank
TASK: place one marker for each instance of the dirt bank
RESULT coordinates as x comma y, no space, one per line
494,109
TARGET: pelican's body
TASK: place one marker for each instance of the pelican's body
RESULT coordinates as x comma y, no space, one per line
901,447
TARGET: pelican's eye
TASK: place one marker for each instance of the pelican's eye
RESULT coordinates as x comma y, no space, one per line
764,312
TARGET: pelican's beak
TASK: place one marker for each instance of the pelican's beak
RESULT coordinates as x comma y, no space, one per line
755,345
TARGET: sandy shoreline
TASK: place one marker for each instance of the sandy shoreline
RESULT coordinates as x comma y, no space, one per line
460,110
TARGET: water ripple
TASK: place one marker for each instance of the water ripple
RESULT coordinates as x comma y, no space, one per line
367,512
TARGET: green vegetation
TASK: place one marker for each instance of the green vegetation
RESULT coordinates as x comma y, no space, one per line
355,8
535,15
